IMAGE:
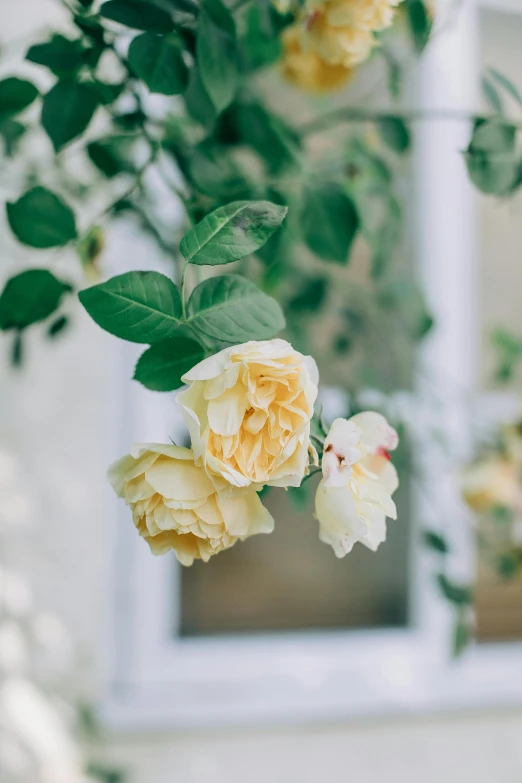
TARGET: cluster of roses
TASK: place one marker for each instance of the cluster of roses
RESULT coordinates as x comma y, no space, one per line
248,409
332,37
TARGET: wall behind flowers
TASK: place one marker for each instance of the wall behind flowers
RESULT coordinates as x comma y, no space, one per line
61,449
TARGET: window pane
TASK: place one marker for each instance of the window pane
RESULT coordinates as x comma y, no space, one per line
290,580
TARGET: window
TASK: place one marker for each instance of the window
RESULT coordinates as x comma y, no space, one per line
307,637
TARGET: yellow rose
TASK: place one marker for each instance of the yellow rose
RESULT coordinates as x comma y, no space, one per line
306,69
248,411
492,482
354,496
175,505
372,15
341,31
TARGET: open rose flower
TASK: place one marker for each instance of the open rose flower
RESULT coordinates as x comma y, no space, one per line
354,496
341,31
175,505
248,410
493,482
305,69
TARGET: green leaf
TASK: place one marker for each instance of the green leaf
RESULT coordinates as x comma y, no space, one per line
232,232
90,246
507,84
310,296
161,366
395,134
30,297
491,158
461,636
142,307
198,103
329,222
61,55
493,136
138,14
216,52
41,219
159,63
232,309
90,26
110,155
67,110
420,22
509,349
105,92
58,327
214,171
508,565
15,95
11,132
261,44
267,134
436,542
454,593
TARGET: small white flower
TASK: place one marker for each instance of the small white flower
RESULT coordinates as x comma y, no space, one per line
354,496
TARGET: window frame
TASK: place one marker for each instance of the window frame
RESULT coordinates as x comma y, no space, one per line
152,679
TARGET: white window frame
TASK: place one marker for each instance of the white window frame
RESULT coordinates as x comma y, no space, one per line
154,679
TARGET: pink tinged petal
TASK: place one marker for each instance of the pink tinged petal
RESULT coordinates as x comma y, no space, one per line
341,451
383,470
335,474
226,413
179,480
376,432
343,434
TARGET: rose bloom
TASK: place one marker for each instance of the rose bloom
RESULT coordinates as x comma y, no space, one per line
175,505
372,15
354,496
248,410
342,46
492,482
305,69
